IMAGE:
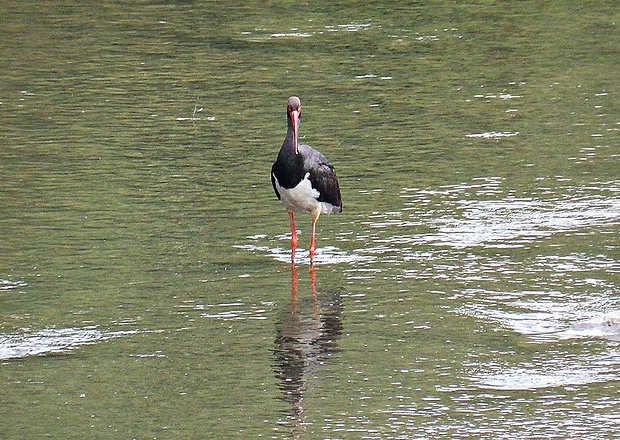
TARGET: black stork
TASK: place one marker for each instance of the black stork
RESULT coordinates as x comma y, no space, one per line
303,179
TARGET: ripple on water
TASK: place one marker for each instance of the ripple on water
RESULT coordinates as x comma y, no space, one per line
525,377
9,284
547,316
492,134
236,310
309,30
606,325
548,298
480,213
324,254
52,340
513,221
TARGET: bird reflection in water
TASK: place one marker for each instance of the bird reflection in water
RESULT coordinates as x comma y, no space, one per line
306,336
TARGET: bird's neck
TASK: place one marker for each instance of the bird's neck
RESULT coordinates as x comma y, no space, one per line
290,141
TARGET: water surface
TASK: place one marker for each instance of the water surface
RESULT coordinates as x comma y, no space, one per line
468,289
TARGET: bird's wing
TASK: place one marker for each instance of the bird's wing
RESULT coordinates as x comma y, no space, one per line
322,175
273,181
326,183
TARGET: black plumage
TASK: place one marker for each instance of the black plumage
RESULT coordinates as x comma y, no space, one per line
290,169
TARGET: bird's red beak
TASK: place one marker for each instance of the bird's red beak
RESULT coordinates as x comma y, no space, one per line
295,120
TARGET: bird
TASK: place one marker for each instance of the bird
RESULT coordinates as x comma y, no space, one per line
303,179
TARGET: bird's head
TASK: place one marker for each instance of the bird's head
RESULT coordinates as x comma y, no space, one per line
293,110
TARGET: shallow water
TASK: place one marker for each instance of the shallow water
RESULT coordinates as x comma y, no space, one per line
468,289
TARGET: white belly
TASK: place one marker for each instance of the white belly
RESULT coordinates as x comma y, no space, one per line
302,198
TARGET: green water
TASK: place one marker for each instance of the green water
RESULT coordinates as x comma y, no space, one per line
469,289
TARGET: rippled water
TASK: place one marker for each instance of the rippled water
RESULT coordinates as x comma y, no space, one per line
49,341
468,289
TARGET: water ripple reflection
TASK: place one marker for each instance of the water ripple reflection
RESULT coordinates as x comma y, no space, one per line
472,215
307,331
536,263
52,340
546,316
561,371
324,254
9,284
229,311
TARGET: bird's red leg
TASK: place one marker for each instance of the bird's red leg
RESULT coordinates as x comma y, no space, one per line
312,245
315,217
293,237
